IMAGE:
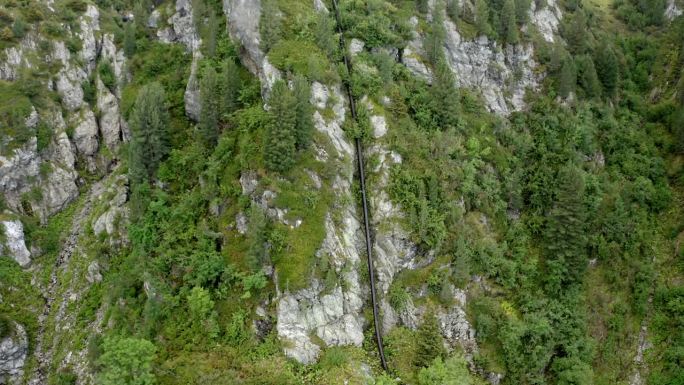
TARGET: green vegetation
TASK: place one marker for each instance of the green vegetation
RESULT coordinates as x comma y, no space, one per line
562,222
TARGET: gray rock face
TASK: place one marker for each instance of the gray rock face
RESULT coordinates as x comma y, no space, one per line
86,138
13,351
414,53
481,65
455,327
17,57
90,24
546,19
191,97
110,119
243,18
20,173
117,60
333,314
182,27
672,11
320,95
112,221
15,246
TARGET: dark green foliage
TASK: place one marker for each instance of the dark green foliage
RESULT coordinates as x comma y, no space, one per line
453,8
567,78
210,100
607,69
127,361
5,326
445,94
148,122
129,43
509,27
522,7
231,84
435,40
482,18
18,28
430,343
211,34
325,36
566,238
106,73
587,77
576,34
377,22
270,27
304,112
279,147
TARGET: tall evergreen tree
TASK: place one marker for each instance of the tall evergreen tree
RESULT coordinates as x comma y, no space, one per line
270,26
435,39
304,111
453,8
149,121
565,234
588,79
482,18
280,150
522,8
211,34
231,84
567,77
508,21
129,40
446,96
607,69
430,343
210,102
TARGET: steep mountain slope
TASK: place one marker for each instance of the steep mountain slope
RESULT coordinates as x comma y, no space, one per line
180,198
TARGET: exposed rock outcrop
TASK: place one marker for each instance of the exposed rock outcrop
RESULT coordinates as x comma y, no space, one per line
243,25
110,118
672,11
18,57
413,54
13,351
15,246
193,105
546,19
182,29
495,72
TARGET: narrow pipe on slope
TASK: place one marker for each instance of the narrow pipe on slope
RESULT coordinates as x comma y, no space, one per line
362,181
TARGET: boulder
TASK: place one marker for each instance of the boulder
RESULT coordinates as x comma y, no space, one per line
15,246
13,352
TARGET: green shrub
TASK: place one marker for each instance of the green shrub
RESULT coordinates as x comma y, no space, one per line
107,76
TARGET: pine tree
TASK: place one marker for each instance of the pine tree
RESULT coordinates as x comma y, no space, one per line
508,20
453,8
430,343
445,95
565,235
588,79
567,78
212,31
231,84
304,127
149,121
482,18
279,151
522,8
270,26
209,115
607,69
435,39
129,40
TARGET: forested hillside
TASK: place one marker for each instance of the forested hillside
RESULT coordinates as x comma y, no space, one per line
180,199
